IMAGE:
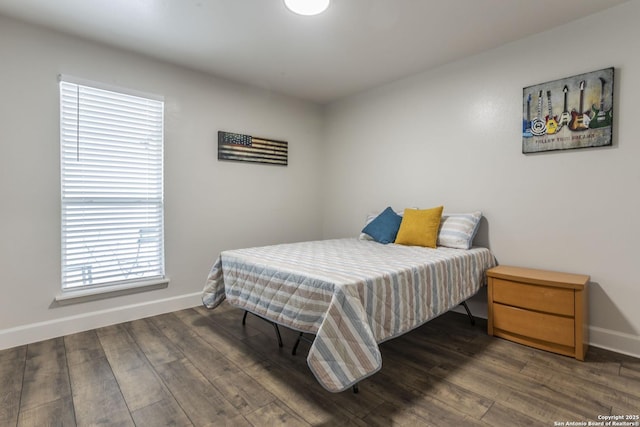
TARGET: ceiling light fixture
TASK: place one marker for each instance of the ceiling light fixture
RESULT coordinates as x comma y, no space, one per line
307,7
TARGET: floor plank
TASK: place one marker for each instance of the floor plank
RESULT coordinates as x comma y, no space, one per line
46,378
467,402
96,395
203,402
275,414
138,382
308,400
56,413
165,412
83,347
244,393
152,342
12,364
499,415
199,367
233,347
142,388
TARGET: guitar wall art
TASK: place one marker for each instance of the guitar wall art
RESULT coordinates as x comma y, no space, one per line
574,112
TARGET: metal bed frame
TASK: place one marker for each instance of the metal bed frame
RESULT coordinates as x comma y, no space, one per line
302,337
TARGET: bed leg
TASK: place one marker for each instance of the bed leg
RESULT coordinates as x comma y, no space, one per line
301,337
355,388
295,346
275,326
277,334
471,318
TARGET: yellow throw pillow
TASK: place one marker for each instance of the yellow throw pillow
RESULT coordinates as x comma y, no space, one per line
419,227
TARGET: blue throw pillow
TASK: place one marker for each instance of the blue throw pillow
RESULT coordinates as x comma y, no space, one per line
384,227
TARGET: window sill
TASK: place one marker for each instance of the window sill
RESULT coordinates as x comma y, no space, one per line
74,296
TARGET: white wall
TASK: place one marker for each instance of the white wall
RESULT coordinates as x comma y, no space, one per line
210,205
449,136
452,136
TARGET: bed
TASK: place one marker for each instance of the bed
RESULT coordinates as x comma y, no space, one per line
352,294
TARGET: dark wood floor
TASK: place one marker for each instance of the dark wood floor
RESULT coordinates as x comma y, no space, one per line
199,367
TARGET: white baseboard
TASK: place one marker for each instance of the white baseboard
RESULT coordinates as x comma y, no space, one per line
598,337
35,332
615,341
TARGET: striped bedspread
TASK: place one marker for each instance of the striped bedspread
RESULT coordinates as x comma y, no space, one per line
352,294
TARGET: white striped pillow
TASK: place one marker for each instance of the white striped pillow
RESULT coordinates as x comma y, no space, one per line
458,230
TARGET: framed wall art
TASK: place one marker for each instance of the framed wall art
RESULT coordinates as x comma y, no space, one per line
574,112
246,148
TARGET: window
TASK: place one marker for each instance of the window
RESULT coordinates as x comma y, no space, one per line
111,149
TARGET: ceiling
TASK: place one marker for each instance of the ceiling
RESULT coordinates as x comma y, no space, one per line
353,46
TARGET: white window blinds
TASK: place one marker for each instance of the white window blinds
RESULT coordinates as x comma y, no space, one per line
112,187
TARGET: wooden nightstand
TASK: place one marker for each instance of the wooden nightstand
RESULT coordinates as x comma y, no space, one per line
543,309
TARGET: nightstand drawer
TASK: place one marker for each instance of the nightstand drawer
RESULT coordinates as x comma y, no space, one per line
539,308
530,324
534,297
